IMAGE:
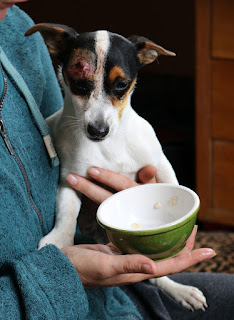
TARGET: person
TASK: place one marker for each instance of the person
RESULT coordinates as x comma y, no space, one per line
84,281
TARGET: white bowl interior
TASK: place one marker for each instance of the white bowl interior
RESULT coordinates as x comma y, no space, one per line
148,207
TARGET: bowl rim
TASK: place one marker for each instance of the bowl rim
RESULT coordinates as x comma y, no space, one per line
158,230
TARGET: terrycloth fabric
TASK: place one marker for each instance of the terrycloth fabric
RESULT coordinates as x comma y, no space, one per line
1,85
35,111
37,284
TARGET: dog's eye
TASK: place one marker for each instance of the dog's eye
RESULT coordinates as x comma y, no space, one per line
121,85
81,87
120,88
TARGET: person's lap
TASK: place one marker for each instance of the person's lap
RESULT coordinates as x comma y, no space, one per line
155,304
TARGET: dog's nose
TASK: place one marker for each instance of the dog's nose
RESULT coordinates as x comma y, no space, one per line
97,131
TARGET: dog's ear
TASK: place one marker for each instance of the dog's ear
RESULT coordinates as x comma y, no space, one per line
58,38
147,51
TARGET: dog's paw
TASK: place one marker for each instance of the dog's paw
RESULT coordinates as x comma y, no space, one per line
190,297
57,239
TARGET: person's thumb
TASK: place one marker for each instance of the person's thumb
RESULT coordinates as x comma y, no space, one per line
133,264
147,174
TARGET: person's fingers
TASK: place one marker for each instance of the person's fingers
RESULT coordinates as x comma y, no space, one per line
99,247
113,248
147,174
119,182
97,266
126,275
124,264
148,269
165,267
190,242
125,279
88,188
181,262
94,192
119,270
111,179
105,268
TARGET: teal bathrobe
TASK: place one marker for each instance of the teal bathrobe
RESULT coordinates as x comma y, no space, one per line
36,284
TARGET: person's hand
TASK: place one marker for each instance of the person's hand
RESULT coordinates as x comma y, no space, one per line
102,265
111,179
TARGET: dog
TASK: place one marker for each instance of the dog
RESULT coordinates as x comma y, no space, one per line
98,127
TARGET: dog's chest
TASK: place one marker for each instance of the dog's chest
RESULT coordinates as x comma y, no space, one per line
112,155
118,155
134,146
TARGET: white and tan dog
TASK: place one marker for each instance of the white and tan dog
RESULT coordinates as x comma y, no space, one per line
98,127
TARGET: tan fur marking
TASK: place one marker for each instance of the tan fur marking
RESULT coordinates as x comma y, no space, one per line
121,103
116,72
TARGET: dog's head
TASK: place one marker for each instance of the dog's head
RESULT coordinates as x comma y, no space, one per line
99,70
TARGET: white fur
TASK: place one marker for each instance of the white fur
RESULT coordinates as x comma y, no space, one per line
130,145
189,296
102,46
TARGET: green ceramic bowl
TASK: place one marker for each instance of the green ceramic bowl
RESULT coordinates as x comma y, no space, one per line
153,219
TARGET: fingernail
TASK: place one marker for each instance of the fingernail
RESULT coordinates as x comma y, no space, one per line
146,268
93,172
209,253
71,179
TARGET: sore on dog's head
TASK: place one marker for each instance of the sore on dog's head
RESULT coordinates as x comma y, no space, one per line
99,70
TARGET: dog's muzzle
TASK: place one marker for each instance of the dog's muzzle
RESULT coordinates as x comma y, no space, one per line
97,131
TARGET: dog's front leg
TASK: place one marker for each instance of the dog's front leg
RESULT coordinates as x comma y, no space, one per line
189,296
67,208
165,172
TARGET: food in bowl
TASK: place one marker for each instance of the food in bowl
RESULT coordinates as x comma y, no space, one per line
157,205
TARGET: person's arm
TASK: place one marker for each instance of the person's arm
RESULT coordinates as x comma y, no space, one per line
41,285
34,284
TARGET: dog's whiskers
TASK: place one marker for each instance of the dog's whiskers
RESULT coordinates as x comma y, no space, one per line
74,127
71,121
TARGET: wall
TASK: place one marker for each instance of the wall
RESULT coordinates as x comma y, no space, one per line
165,91
168,23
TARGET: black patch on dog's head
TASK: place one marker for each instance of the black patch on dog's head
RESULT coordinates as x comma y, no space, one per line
124,58
123,55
